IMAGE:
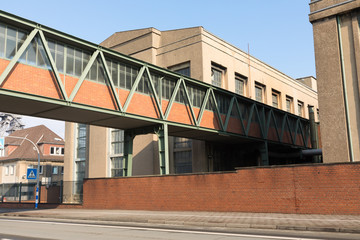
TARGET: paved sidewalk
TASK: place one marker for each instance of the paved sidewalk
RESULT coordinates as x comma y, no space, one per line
227,220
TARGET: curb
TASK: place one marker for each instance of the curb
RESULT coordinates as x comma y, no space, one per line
156,223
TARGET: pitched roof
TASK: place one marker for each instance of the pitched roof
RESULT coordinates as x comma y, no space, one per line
25,151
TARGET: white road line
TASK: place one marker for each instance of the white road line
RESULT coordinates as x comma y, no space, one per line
161,230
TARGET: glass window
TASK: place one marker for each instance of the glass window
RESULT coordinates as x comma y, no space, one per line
12,170
70,61
259,93
240,84
117,166
10,43
55,170
300,109
275,97
289,104
117,152
78,62
182,68
216,76
2,40
56,151
60,57
7,170
183,161
41,169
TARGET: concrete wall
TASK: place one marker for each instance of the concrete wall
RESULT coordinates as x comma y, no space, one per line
307,189
337,58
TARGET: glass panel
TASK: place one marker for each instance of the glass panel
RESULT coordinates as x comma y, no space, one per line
183,162
31,53
70,61
216,76
78,62
258,94
42,59
20,39
60,57
2,40
10,43
101,71
122,76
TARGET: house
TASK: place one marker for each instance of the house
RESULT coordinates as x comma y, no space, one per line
19,154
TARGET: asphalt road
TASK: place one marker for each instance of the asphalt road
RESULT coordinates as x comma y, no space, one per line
41,230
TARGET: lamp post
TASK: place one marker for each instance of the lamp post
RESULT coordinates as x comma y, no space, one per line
38,167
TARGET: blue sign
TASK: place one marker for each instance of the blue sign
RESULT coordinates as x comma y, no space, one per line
2,143
31,173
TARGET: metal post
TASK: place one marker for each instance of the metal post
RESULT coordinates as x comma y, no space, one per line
163,149
61,191
20,186
264,154
128,152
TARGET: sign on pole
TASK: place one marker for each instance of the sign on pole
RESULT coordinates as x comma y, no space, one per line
31,173
2,143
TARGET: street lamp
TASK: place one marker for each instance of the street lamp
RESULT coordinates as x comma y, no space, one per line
38,167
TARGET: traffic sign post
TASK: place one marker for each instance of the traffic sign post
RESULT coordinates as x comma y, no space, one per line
31,174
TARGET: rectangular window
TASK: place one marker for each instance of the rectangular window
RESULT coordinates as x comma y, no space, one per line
41,169
2,40
182,68
216,77
182,155
80,152
240,83
12,170
300,109
117,166
275,97
7,170
117,152
2,152
57,151
259,92
55,170
289,104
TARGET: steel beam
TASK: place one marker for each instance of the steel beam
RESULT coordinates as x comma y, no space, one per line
163,141
128,153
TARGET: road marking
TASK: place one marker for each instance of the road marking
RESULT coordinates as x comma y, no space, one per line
162,230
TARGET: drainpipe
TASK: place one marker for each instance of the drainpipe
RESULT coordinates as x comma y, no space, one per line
313,135
345,91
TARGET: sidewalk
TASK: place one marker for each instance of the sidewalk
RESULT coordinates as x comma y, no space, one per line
226,220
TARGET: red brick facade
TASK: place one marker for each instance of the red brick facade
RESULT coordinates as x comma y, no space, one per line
307,189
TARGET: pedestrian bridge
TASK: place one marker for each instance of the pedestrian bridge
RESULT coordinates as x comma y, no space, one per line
47,73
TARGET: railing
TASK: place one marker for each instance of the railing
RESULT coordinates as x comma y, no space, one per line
55,192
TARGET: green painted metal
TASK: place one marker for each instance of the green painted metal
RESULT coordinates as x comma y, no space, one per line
18,54
128,153
172,98
264,154
203,106
189,102
152,87
240,116
132,91
228,115
53,66
217,109
83,75
108,75
253,106
163,149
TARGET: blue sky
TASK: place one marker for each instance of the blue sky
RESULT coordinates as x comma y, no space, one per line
278,32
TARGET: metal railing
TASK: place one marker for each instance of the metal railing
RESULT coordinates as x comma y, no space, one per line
55,192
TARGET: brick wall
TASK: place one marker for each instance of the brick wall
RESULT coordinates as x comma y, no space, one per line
307,189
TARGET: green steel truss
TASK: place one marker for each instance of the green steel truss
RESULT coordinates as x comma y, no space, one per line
249,114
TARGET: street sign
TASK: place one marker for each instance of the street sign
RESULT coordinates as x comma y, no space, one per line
31,173
2,143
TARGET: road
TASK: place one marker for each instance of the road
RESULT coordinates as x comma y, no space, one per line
42,230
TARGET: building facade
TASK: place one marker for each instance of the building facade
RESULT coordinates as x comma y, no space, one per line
337,54
19,155
98,152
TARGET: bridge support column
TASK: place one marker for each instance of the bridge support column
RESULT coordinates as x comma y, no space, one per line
128,153
163,149
264,154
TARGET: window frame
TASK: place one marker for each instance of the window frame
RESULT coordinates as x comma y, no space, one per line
291,101
222,70
300,108
277,95
240,78
262,88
